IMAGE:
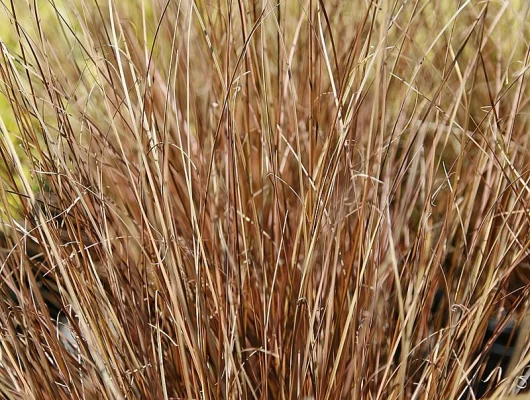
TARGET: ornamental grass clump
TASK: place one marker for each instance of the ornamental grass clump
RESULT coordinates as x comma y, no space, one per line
254,200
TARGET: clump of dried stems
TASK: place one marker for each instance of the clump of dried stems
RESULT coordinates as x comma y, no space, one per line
256,199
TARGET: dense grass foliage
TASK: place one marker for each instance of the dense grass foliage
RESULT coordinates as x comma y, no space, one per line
258,199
